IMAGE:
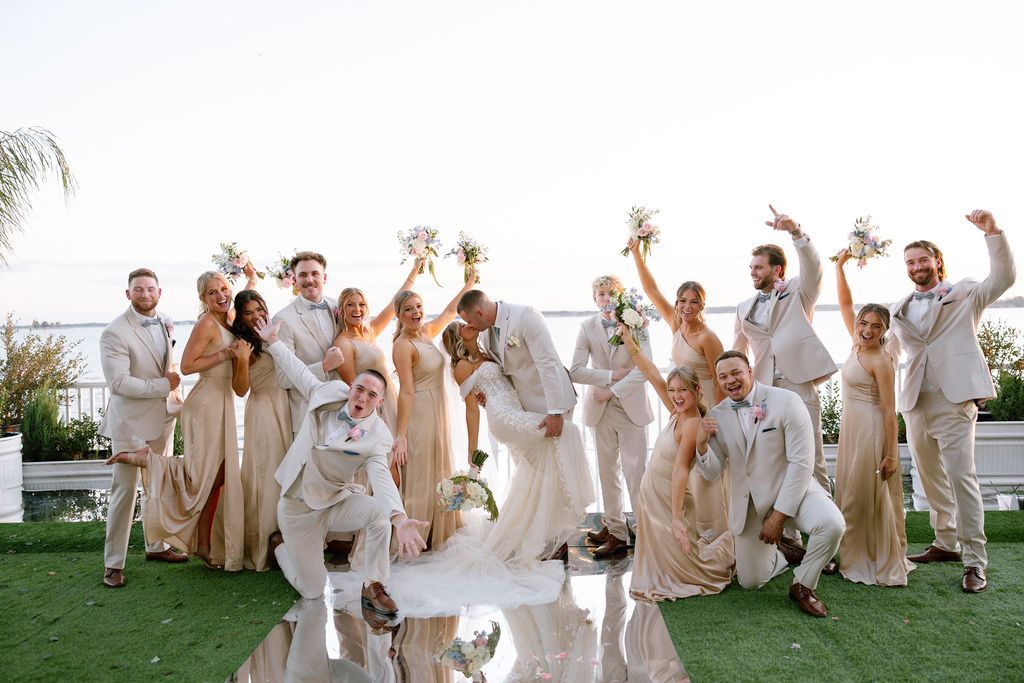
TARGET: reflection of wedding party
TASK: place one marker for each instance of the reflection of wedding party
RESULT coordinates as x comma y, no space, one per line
368,474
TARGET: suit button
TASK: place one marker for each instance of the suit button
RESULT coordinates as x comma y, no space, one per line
748,474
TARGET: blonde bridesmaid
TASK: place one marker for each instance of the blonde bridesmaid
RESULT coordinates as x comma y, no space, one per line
699,561
422,449
869,491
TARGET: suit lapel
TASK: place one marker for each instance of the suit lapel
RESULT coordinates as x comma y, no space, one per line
755,428
745,308
504,319
143,334
601,337
900,314
312,324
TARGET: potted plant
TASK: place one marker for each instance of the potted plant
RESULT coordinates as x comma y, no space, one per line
831,416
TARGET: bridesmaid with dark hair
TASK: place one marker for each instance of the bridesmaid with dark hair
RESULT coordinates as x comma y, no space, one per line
869,491
267,431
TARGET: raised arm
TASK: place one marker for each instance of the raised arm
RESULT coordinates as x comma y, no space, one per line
435,326
843,290
388,312
404,355
115,359
250,275
1002,271
650,287
680,475
811,273
647,368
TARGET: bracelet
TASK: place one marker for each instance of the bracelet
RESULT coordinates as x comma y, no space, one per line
633,351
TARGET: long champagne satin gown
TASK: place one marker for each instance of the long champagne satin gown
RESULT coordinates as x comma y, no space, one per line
267,436
179,488
661,569
874,547
429,448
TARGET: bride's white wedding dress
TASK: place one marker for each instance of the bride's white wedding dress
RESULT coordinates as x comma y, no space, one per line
501,564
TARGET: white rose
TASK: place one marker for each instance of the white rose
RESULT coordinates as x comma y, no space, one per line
856,246
447,487
632,318
467,649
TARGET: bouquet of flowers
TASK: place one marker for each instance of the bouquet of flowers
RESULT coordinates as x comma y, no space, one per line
231,261
641,228
465,490
469,656
864,243
421,243
468,252
628,308
281,272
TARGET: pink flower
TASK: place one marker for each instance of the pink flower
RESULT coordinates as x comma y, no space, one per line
780,285
287,281
644,231
461,258
546,676
355,434
422,235
169,326
759,411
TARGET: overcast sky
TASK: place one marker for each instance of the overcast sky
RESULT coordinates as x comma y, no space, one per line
534,126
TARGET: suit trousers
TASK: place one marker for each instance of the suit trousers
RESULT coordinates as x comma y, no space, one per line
621,449
757,562
301,556
808,393
941,436
124,488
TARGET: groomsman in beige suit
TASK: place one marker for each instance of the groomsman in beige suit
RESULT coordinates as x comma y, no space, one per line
135,354
767,437
775,324
946,376
340,434
616,408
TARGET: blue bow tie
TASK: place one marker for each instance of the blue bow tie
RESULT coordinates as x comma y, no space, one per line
346,418
321,306
923,295
762,297
151,321
608,324
736,405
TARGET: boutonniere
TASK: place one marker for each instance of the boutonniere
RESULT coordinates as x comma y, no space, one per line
169,326
779,286
512,342
759,411
944,292
355,434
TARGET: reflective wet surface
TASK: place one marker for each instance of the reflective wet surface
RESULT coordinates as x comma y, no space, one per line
593,631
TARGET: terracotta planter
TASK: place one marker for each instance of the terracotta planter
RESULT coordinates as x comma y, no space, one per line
11,509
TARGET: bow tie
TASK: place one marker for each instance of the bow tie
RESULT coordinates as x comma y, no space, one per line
736,405
346,418
608,324
762,297
151,321
320,306
923,295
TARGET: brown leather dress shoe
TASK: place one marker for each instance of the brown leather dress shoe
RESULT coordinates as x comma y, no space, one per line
831,567
113,578
807,600
561,553
934,554
339,551
974,580
794,553
376,598
169,555
599,537
613,546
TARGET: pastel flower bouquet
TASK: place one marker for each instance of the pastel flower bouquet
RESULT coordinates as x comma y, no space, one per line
469,656
231,261
465,490
628,308
421,242
864,242
281,272
641,228
468,252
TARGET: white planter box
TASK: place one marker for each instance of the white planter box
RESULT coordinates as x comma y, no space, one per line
831,450
999,454
62,475
11,509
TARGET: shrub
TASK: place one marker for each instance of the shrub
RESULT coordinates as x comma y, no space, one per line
77,438
1009,401
40,426
999,344
31,363
831,411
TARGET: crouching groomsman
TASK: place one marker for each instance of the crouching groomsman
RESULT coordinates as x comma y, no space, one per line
340,434
937,325
616,408
767,435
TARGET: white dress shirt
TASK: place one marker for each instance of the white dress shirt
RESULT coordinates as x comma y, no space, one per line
324,316
158,332
918,311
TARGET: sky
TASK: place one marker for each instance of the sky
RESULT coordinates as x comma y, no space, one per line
533,126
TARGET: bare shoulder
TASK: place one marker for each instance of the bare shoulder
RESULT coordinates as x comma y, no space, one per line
463,370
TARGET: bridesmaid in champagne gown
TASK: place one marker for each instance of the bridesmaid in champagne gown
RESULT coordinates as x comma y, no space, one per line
267,431
422,449
869,491
701,560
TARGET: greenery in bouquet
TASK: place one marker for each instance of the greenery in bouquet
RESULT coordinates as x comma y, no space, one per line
421,242
864,242
642,229
468,657
281,273
627,307
466,491
468,252
231,261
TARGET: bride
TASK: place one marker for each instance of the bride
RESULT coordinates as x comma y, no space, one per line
552,484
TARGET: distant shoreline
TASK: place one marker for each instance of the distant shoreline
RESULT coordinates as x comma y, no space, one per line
1015,302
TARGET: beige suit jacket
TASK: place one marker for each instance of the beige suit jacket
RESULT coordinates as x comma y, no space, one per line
788,345
134,370
527,355
948,346
592,347
774,466
328,469
303,336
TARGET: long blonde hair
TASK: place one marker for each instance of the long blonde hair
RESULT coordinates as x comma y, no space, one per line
455,345
201,284
343,298
690,382
400,300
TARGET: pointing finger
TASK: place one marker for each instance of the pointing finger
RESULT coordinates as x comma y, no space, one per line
773,210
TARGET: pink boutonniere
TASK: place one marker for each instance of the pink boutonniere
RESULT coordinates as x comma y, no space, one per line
944,292
780,285
759,411
169,326
355,434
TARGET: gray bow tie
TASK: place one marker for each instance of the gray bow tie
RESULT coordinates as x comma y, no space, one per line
762,297
151,321
608,324
923,295
321,306
346,418
736,405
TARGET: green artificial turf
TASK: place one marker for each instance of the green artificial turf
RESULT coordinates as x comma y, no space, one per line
930,630
179,621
